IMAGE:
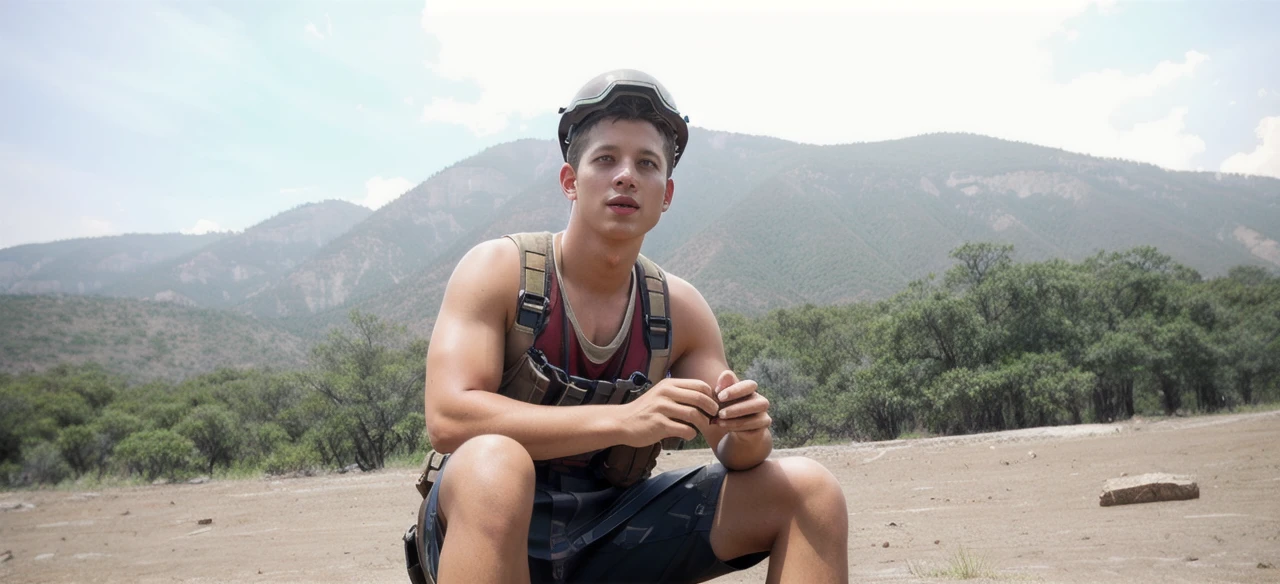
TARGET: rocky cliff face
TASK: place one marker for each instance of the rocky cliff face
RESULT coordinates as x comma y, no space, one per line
227,272
406,235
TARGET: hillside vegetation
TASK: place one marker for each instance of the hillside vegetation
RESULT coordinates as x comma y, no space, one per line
87,265
143,341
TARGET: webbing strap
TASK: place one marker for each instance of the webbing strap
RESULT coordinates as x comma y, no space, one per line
536,266
656,310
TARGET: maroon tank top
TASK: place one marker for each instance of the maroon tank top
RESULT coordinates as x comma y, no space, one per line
559,342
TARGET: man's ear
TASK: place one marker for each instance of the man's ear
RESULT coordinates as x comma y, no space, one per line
569,182
671,191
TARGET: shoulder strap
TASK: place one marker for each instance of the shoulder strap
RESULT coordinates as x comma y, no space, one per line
657,319
536,266
657,308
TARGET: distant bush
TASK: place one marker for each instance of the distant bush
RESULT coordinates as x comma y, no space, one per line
215,431
43,463
292,459
157,453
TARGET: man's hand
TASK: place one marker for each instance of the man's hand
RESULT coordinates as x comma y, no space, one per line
672,407
742,409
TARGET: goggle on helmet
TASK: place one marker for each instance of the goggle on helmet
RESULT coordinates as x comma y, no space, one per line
601,91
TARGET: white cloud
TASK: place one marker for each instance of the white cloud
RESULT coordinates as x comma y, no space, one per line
328,24
202,227
1265,159
1072,35
94,227
1262,93
482,119
408,101
1163,142
380,191
313,31
296,190
1233,102
853,71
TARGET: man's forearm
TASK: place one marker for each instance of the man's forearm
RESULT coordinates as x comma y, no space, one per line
547,432
744,450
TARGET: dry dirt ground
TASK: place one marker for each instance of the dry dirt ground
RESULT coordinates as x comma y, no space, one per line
1025,502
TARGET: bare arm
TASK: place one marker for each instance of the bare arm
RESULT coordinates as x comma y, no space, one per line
739,435
464,370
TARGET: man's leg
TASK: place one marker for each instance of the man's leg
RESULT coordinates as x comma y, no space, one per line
794,509
486,502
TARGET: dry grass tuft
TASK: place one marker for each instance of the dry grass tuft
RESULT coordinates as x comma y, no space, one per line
963,565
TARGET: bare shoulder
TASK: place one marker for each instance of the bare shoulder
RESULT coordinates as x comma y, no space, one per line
487,276
684,296
693,323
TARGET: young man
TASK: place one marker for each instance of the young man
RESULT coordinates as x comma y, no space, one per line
532,490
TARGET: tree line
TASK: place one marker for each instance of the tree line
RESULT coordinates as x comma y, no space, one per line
359,402
992,344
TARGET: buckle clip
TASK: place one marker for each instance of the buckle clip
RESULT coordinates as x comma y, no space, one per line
533,310
659,332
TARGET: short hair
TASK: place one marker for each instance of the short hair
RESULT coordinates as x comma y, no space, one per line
625,108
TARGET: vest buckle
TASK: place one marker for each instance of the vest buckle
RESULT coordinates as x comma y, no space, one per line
659,332
533,310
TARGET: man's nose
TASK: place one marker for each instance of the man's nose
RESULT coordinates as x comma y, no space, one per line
625,177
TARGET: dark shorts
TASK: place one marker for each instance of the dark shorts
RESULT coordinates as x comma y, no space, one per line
658,530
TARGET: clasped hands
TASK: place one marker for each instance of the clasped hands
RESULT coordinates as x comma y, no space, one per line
683,407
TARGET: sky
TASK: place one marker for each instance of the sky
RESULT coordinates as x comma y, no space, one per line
138,116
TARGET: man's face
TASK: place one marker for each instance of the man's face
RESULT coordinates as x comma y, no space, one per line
620,187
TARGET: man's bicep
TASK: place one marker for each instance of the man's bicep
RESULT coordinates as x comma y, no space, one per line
466,350
700,348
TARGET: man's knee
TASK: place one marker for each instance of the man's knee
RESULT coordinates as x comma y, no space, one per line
491,472
814,487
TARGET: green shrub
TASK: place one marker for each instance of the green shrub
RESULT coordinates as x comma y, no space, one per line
80,448
43,464
156,453
291,459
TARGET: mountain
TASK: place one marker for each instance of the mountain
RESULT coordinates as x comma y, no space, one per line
859,221
87,265
759,223
407,234
724,173
140,339
236,267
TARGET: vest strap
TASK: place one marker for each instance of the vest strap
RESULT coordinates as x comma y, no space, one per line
536,266
657,307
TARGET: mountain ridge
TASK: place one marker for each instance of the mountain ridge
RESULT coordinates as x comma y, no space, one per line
759,223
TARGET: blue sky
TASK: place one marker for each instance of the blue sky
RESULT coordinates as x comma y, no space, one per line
137,116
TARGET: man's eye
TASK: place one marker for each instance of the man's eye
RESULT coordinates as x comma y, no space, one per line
605,158
650,163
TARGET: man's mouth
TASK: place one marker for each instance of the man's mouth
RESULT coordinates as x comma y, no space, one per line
623,204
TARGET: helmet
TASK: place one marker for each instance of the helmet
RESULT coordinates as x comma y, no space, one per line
602,90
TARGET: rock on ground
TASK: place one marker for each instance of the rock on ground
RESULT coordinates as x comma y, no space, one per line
1148,488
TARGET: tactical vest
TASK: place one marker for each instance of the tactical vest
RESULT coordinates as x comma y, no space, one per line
529,377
